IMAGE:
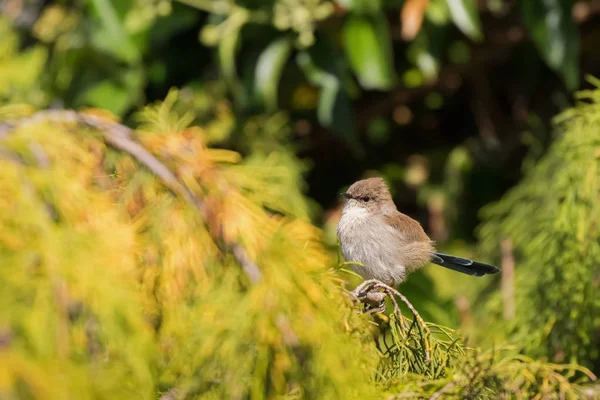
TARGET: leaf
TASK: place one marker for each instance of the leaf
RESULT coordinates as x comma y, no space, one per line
179,20
227,51
427,49
555,35
111,37
117,96
268,71
466,18
412,17
334,110
368,45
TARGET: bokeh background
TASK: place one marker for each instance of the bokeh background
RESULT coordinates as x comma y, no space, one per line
468,108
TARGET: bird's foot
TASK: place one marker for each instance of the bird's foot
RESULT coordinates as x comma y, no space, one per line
379,309
374,302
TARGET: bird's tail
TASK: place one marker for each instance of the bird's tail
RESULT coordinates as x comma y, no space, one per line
463,265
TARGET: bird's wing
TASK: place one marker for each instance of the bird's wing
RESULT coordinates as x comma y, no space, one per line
406,226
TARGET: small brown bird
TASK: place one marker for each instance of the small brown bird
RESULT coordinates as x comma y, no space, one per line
390,245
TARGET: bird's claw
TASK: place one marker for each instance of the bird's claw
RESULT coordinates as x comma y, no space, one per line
371,309
374,302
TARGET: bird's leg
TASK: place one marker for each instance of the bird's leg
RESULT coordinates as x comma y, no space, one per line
371,296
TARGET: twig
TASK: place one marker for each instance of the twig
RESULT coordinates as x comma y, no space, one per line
250,268
449,386
120,137
371,285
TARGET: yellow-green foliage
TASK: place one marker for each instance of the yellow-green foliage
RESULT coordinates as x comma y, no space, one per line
19,71
112,286
552,219
71,308
115,288
498,374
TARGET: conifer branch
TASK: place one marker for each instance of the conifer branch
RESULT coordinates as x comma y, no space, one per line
120,137
364,293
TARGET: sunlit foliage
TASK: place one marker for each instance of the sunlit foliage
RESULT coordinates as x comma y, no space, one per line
116,287
552,220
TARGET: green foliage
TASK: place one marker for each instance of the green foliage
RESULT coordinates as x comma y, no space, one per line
334,109
367,44
491,375
116,287
405,349
551,219
269,68
160,306
369,49
71,304
20,71
465,16
110,63
554,32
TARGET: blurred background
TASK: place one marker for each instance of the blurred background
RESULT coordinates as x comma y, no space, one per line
453,102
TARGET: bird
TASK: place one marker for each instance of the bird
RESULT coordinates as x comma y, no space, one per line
384,244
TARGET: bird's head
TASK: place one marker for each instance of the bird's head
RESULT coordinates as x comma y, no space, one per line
371,194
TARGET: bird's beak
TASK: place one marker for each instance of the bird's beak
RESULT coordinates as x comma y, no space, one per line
346,195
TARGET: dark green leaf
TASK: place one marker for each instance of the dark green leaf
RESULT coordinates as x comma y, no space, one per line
466,18
179,20
268,71
555,34
111,36
428,48
113,95
334,110
227,51
368,46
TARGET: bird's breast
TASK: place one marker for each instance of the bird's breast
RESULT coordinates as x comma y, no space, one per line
385,252
366,239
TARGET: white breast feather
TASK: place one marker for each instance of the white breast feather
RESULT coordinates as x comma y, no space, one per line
369,240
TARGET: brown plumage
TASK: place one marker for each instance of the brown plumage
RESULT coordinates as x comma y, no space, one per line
389,245
403,223
372,189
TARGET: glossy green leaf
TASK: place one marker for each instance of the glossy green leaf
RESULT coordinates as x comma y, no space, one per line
368,46
552,29
334,110
111,36
466,18
268,71
227,50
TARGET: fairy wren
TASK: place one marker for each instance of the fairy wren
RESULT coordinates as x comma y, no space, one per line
389,245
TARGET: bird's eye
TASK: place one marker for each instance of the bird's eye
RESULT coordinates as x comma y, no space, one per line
366,199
